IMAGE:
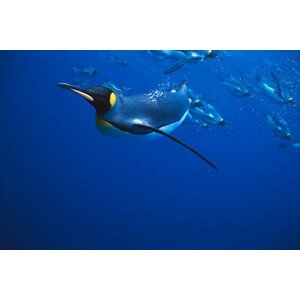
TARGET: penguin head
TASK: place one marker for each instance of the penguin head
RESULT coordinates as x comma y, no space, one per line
288,136
290,100
222,122
101,98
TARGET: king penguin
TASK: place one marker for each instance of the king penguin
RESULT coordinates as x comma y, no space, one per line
145,115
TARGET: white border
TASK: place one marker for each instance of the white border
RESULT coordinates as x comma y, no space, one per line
136,275
151,275
155,24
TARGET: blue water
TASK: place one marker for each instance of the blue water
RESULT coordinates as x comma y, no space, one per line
66,186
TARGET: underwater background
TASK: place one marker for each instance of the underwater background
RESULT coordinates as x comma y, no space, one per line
63,185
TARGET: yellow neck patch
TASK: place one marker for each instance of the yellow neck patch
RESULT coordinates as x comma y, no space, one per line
101,124
112,99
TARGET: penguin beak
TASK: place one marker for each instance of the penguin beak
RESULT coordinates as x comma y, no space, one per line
82,92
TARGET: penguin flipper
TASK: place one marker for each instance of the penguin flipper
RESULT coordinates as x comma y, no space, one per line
242,77
258,78
178,142
179,64
278,87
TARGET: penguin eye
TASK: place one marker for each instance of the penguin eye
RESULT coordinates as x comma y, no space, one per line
112,99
